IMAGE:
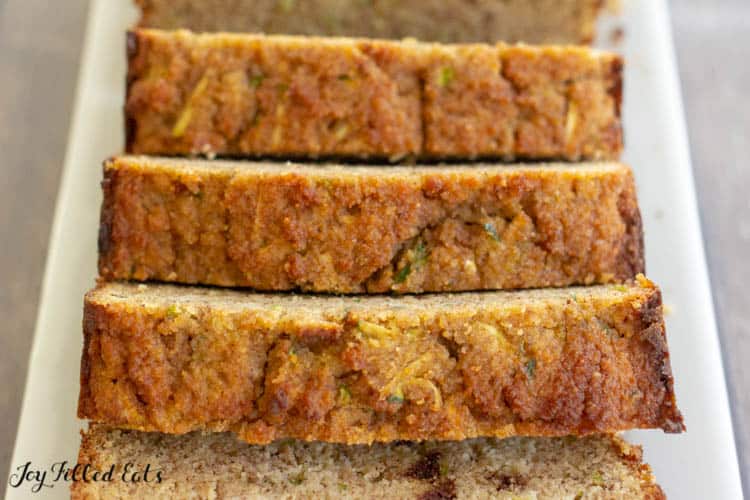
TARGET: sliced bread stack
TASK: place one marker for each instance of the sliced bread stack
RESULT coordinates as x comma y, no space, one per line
367,320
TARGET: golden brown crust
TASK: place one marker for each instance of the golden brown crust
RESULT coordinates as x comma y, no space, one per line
368,229
254,95
88,453
631,255
131,55
85,397
438,367
632,455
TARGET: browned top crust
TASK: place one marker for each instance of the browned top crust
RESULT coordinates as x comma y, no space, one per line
355,229
218,466
447,21
283,96
533,363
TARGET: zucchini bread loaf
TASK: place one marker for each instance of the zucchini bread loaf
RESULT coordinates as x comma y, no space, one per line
285,96
533,21
353,229
220,467
533,363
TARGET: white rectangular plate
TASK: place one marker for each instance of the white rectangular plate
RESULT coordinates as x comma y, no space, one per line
699,464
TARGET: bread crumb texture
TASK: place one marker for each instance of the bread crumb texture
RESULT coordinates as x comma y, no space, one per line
285,96
360,229
533,363
218,466
532,21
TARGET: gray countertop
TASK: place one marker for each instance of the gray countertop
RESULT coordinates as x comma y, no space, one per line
40,44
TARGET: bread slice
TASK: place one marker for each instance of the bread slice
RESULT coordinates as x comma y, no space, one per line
285,96
532,363
220,467
355,229
532,21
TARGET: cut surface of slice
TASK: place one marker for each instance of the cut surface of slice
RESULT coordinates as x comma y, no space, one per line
218,466
252,95
450,21
358,229
450,366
